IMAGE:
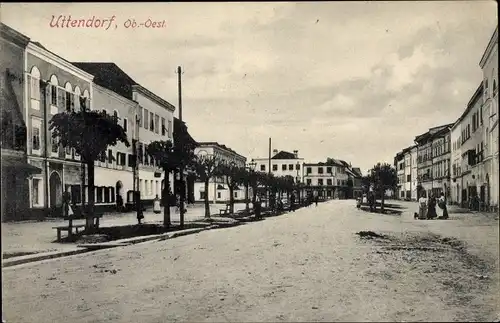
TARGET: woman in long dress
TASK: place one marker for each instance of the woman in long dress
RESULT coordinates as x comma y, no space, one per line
431,207
442,210
422,206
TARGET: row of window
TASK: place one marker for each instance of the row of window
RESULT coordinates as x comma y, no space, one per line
219,195
283,167
151,121
329,182
401,179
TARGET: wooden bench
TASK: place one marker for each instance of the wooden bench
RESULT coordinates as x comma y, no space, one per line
226,210
68,228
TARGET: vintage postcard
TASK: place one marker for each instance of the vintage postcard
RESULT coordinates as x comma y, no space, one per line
249,161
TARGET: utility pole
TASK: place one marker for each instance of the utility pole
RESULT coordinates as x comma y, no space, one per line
47,137
269,172
137,190
181,170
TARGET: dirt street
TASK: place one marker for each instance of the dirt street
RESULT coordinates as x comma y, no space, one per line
309,265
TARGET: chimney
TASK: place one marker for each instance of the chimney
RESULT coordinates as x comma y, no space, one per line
275,151
296,153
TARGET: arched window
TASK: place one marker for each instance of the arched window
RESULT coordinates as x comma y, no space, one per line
54,85
68,97
125,124
86,95
78,94
35,83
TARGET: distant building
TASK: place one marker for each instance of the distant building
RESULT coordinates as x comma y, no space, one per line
433,160
218,191
329,179
283,163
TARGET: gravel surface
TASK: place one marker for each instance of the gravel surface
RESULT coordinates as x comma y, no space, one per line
310,265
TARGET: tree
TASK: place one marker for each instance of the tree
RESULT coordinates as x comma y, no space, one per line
183,155
166,158
243,177
205,167
232,174
383,176
89,133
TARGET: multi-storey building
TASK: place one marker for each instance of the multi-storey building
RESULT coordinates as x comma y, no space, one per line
406,167
283,163
329,179
456,162
218,191
16,172
153,120
357,186
441,160
433,155
399,163
489,66
53,85
320,177
468,171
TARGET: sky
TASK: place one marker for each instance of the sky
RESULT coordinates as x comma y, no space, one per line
349,80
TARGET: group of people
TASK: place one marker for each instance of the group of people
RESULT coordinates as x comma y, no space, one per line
431,208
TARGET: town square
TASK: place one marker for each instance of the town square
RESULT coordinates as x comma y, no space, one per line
250,162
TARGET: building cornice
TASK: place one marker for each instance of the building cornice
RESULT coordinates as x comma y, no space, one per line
153,97
489,48
58,61
116,95
13,36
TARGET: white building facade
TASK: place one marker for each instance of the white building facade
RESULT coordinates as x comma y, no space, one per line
218,190
283,163
489,66
52,85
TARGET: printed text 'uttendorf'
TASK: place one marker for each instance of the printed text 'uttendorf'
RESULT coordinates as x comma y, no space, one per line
63,21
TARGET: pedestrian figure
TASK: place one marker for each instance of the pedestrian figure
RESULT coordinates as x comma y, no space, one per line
371,200
66,204
139,207
422,206
292,202
316,199
156,205
279,204
257,206
442,209
431,208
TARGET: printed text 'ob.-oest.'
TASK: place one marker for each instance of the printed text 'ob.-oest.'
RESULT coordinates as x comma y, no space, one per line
63,21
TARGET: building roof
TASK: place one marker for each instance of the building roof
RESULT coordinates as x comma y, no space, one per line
178,127
432,132
216,144
284,155
357,171
13,35
489,47
110,76
476,96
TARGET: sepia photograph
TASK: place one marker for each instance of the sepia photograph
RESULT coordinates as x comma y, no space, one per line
323,161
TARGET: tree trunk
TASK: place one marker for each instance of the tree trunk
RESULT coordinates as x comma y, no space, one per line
207,206
230,184
231,199
166,196
247,204
89,220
